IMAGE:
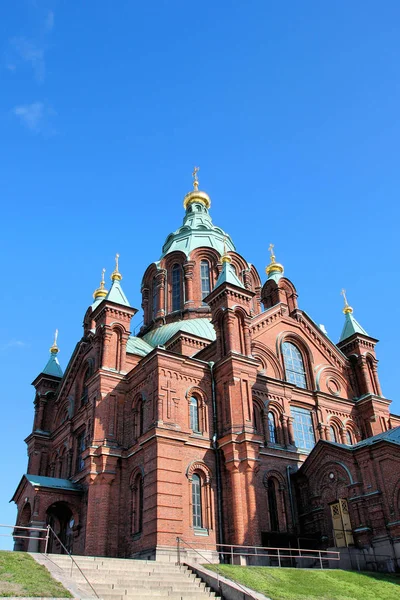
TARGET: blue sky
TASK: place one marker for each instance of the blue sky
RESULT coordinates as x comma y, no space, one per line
290,109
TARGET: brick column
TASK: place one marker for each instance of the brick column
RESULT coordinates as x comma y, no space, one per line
188,269
236,504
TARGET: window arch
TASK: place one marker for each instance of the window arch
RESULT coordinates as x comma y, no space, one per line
294,365
205,278
176,287
272,427
137,504
194,420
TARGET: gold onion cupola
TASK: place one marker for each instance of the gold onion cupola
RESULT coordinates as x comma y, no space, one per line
196,195
101,291
274,270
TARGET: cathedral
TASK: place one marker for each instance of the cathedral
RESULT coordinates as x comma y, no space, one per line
231,418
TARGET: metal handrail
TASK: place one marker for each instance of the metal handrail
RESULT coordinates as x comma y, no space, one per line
245,590
72,559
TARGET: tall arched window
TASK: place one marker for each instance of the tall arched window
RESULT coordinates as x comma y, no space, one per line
80,448
176,287
137,504
154,298
332,434
294,366
272,505
196,502
205,278
272,427
194,414
349,438
138,417
85,390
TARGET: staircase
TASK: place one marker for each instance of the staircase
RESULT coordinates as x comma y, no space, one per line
128,579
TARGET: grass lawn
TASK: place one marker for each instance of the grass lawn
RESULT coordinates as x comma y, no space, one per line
310,584
20,575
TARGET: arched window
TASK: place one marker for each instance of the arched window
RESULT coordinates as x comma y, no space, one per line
294,366
80,448
257,419
205,278
138,417
196,502
154,298
137,504
272,427
194,414
332,434
349,438
176,287
85,390
272,505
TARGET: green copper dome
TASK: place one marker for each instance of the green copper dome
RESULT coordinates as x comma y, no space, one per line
197,231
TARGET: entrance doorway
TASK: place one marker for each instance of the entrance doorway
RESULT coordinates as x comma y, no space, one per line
60,519
342,531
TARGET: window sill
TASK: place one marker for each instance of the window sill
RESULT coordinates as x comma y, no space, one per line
200,531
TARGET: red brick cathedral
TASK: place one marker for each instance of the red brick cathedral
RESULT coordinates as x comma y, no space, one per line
230,418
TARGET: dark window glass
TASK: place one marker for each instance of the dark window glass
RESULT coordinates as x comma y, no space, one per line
205,278
303,428
196,502
272,427
194,414
272,505
332,434
154,303
349,438
137,521
176,287
80,443
294,366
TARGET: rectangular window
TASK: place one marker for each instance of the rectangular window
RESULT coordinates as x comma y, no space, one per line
176,287
80,463
205,278
194,414
196,502
303,428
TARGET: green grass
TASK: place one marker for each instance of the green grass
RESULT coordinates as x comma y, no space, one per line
313,584
20,575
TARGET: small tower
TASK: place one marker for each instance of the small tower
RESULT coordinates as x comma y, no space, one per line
112,315
45,384
278,289
359,347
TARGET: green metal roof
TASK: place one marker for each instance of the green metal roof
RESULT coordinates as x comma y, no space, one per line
391,435
52,482
138,346
116,294
53,367
197,231
351,326
228,275
201,327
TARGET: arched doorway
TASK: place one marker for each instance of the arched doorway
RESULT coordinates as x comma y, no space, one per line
24,519
59,517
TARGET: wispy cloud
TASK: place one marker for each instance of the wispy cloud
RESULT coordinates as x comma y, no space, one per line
29,52
13,344
49,21
31,115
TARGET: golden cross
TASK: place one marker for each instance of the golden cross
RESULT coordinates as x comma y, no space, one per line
195,178
271,250
55,337
116,261
102,278
343,293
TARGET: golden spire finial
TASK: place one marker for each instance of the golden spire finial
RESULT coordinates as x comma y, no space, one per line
116,275
195,178
54,348
273,265
347,309
225,258
101,291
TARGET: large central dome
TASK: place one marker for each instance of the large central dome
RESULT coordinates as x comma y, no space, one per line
197,229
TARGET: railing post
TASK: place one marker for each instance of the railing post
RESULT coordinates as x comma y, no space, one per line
320,559
47,539
232,555
178,548
279,558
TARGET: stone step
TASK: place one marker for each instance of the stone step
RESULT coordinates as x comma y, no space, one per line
125,565
170,596
105,587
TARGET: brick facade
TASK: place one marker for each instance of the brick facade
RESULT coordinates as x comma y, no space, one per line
142,429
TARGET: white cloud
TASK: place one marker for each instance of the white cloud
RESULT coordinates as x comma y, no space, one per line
31,115
29,52
13,344
49,22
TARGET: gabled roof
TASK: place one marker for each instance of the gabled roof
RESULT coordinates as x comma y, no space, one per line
53,367
228,275
201,327
117,295
351,326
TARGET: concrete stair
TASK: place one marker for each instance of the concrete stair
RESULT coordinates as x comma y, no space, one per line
128,579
